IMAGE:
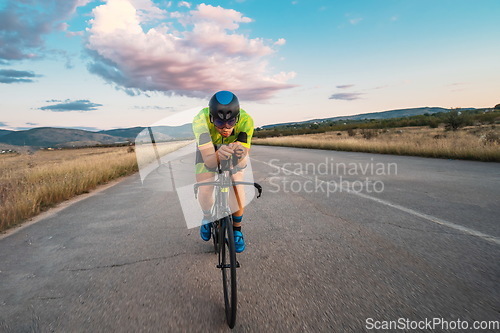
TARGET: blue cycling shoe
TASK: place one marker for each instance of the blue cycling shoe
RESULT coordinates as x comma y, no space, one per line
239,242
206,230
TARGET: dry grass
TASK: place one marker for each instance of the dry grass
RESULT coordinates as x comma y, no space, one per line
31,183
475,143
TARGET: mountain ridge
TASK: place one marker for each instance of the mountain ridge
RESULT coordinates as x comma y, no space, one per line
45,137
397,113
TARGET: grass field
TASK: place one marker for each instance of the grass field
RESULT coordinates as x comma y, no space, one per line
31,183
473,143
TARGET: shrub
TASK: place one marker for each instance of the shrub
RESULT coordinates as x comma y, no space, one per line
368,134
491,137
434,123
454,120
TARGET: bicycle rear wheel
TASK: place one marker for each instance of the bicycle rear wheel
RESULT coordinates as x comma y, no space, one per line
228,266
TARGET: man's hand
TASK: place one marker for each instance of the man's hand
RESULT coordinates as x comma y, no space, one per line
238,149
225,152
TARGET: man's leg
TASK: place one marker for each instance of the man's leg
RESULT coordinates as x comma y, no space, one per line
206,200
205,193
237,204
237,199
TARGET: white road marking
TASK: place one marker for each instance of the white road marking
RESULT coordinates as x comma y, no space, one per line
472,232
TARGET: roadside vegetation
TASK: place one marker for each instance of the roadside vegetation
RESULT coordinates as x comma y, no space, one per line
33,182
472,135
452,120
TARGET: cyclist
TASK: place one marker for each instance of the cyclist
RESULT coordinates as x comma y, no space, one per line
223,131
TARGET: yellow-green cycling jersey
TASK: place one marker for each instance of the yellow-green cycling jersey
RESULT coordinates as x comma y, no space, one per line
206,133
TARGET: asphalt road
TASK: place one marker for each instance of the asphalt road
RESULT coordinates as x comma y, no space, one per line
422,243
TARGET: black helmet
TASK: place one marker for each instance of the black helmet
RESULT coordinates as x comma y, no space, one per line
224,108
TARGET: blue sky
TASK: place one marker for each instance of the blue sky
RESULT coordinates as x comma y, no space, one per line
125,63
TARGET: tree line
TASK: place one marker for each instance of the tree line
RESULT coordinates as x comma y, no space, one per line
452,120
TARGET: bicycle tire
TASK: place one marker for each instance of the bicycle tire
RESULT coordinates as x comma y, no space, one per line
228,266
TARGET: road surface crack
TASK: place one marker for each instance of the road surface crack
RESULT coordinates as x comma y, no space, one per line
50,297
123,264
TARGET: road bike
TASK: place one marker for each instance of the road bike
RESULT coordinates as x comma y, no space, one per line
222,234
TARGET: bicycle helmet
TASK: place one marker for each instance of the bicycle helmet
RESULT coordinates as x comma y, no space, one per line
224,109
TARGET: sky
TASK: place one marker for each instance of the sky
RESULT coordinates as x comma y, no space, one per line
100,65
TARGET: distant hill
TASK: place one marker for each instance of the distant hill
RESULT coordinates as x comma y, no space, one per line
177,132
129,133
373,115
51,137
160,132
63,137
5,132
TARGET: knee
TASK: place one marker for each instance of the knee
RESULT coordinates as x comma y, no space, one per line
206,190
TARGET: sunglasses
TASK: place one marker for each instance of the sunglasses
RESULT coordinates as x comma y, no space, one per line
225,124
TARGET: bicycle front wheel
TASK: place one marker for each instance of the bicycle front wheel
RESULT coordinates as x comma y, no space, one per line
215,236
228,266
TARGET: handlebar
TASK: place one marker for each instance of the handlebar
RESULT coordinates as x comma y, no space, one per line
233,183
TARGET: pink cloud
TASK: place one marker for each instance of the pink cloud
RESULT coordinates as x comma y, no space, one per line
280,42
223,18
25,24
184,4
207,56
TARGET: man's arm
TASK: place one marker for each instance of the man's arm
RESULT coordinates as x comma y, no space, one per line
241,146
210,156
241,153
